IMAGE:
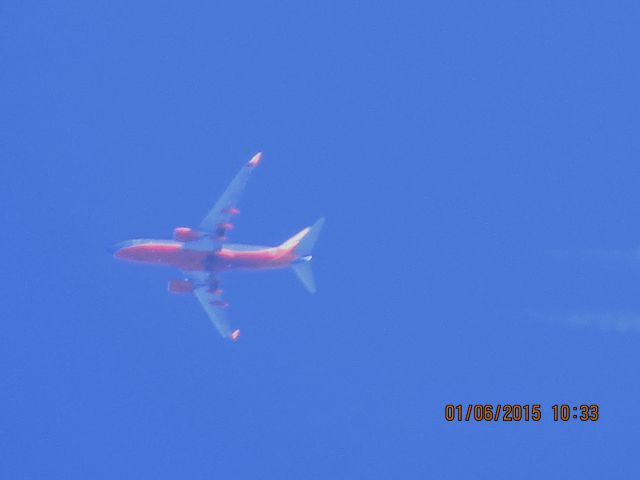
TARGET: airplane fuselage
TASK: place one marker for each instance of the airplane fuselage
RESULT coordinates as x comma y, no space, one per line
181,255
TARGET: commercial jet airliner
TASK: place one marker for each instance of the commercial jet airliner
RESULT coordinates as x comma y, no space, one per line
202,253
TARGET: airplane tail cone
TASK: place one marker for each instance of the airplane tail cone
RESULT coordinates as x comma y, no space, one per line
302,245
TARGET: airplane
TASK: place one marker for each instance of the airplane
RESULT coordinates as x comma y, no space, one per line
203,253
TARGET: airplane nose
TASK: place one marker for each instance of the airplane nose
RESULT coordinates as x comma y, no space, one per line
116,247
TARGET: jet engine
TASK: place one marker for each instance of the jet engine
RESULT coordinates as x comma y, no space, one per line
180,286
185,234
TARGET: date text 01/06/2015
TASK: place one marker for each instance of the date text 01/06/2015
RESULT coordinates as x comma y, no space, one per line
519,412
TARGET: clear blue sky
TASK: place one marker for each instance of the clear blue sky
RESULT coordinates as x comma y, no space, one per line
478,166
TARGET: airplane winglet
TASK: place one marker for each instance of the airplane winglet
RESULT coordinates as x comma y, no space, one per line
255,160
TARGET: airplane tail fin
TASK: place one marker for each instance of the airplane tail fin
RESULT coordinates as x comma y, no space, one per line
302,244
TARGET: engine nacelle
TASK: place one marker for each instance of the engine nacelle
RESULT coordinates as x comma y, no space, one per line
180,286
185,234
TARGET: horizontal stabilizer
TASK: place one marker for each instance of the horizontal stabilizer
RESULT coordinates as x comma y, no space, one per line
303,271
302,245
306,243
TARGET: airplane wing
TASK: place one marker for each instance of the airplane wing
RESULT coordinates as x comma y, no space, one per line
208,293
215,307
218,220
